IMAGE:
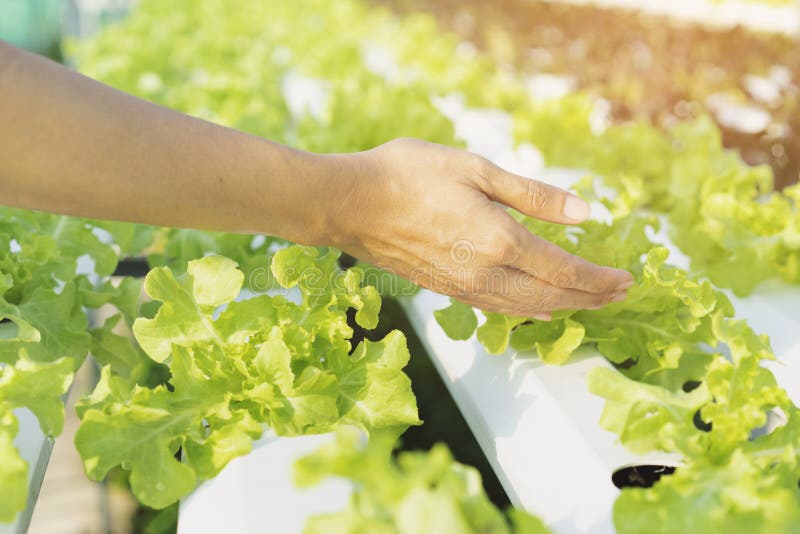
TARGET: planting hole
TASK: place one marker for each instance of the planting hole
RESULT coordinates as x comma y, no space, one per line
627,364
640,476
691,385
700,424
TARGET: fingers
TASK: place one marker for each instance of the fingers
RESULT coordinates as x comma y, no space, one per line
559,268
513,292
534,254
499,288
534,198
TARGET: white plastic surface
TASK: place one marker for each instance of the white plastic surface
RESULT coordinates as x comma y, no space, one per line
255,493
537,424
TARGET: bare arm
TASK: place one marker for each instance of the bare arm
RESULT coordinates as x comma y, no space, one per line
71,145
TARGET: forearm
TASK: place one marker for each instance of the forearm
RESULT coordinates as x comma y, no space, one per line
71,145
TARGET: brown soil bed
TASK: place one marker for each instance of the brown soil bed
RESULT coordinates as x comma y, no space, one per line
644,65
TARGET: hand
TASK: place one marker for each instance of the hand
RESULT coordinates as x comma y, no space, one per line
429,214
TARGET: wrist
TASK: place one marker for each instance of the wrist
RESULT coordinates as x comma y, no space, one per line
338,198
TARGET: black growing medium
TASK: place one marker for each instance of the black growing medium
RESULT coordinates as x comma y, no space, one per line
640,476
136,267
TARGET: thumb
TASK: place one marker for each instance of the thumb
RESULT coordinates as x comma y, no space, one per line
534,198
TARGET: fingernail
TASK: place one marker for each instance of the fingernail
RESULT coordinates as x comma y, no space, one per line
576,208
543,316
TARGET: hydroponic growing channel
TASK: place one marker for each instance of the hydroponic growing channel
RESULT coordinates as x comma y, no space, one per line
236,364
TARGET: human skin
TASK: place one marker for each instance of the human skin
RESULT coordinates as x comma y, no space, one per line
429,213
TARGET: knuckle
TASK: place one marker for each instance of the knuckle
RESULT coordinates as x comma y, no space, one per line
391,149
480,284
566,275
521,310
508,233
484,172
490,306
498,251
482,166
459,288
400,146
524,283
546,299
508,238
538,194
402,141
549,303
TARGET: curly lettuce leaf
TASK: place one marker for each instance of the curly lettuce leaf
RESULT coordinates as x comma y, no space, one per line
644,416
738,497
417,492
457,320
554,342
238,366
